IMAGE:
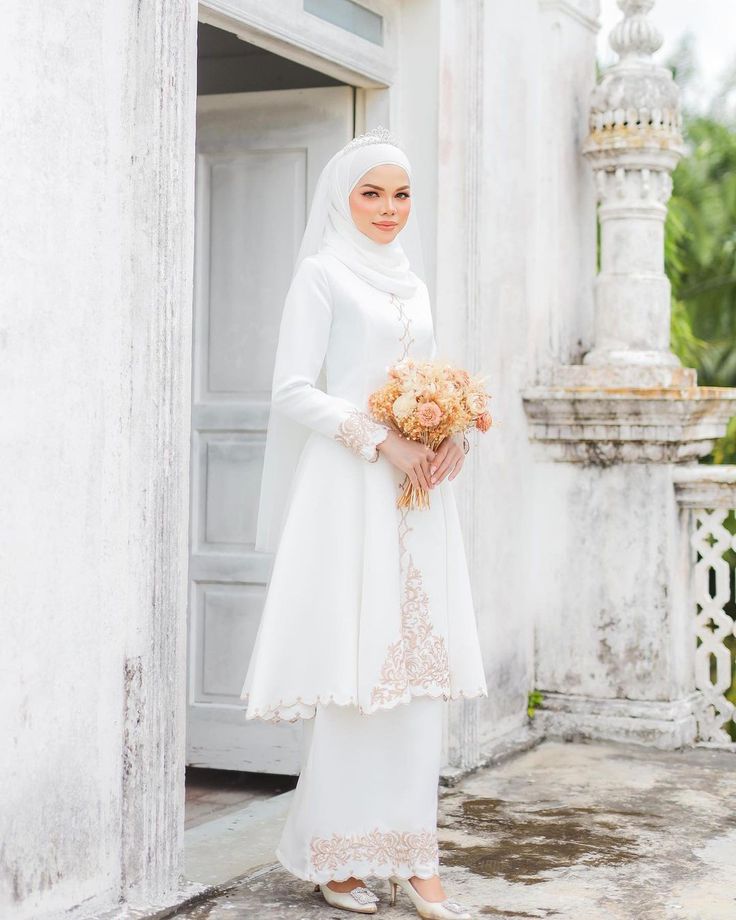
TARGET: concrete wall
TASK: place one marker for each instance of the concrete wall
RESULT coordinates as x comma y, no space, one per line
95,336
515,268
97,145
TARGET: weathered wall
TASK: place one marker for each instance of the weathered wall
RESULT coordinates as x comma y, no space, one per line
604,627
95,336
516,251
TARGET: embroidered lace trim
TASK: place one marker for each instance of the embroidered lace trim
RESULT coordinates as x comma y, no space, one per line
419,657
394,848
407,337
361,433
298,708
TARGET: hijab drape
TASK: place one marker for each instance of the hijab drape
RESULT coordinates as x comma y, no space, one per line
395,267
384,265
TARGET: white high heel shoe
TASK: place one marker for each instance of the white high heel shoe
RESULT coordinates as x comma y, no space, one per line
360,898
429,910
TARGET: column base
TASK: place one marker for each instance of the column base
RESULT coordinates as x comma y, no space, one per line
627,358
596,424
591,375
663,724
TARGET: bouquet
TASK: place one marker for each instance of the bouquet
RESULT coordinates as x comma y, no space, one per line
427,401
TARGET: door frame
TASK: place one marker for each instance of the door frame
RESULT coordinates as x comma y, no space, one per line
287,30
251,22
375,71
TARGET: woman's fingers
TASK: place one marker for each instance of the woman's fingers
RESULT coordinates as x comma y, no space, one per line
458,466
415,460
412,478
451,454
441,470
421,470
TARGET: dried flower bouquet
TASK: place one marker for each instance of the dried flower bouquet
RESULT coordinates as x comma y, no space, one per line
428,401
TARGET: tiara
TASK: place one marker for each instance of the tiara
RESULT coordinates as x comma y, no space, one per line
377,135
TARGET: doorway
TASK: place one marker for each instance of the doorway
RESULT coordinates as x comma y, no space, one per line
265,128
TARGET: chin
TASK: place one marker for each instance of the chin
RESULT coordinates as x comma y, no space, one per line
383,237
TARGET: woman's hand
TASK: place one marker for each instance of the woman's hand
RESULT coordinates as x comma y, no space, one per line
411,457
449,458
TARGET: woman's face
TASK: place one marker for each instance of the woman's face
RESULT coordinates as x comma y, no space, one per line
380,202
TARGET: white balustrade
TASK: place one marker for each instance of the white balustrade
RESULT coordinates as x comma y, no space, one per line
707,494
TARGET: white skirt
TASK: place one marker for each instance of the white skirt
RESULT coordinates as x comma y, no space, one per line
366,801
367,604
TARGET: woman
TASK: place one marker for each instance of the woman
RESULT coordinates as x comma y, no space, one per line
368,623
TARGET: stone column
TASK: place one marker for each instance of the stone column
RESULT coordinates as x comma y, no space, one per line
614,633
633,146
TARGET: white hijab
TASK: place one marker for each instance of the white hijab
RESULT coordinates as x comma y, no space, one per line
387,266
396,266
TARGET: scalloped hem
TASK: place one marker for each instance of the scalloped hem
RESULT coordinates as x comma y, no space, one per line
359,870
306,709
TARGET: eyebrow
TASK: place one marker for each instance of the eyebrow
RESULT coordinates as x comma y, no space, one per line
380,188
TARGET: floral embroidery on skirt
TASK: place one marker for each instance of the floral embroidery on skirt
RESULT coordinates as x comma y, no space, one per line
377,847
419,658
366,801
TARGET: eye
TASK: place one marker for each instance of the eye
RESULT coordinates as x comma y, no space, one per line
371,192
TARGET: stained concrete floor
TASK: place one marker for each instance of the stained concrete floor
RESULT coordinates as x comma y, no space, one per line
564,831
214,794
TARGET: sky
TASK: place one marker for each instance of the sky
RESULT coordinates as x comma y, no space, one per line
713,23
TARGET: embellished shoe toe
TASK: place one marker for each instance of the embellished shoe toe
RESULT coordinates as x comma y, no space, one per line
429,910
360,898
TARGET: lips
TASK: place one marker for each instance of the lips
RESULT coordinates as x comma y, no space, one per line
385,226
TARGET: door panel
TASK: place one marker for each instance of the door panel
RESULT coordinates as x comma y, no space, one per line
258,159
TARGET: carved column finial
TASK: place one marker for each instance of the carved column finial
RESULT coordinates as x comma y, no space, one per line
634,144
635,35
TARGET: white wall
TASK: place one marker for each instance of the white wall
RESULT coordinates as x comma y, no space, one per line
98,112
94,331
515,265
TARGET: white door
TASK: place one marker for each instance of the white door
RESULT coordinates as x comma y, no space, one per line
258,159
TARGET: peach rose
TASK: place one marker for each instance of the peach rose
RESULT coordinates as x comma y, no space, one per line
483,422
429,414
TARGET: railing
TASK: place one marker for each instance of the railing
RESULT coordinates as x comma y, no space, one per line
707,496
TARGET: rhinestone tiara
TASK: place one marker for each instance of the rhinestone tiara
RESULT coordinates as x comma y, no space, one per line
377,135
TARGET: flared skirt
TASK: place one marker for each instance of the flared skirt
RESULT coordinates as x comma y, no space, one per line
367,604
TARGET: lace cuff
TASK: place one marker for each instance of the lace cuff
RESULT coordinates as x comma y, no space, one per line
361,434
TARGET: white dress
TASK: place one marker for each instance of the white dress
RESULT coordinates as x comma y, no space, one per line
366,800
368,606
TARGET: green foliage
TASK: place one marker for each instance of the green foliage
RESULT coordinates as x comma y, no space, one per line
700,260
534,699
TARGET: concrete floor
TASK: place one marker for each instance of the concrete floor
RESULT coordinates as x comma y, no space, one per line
564,831
214,794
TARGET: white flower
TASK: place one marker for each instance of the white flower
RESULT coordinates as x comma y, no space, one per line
476,402
412,380
404,405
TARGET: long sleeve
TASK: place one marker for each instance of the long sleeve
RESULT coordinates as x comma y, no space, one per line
303,338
